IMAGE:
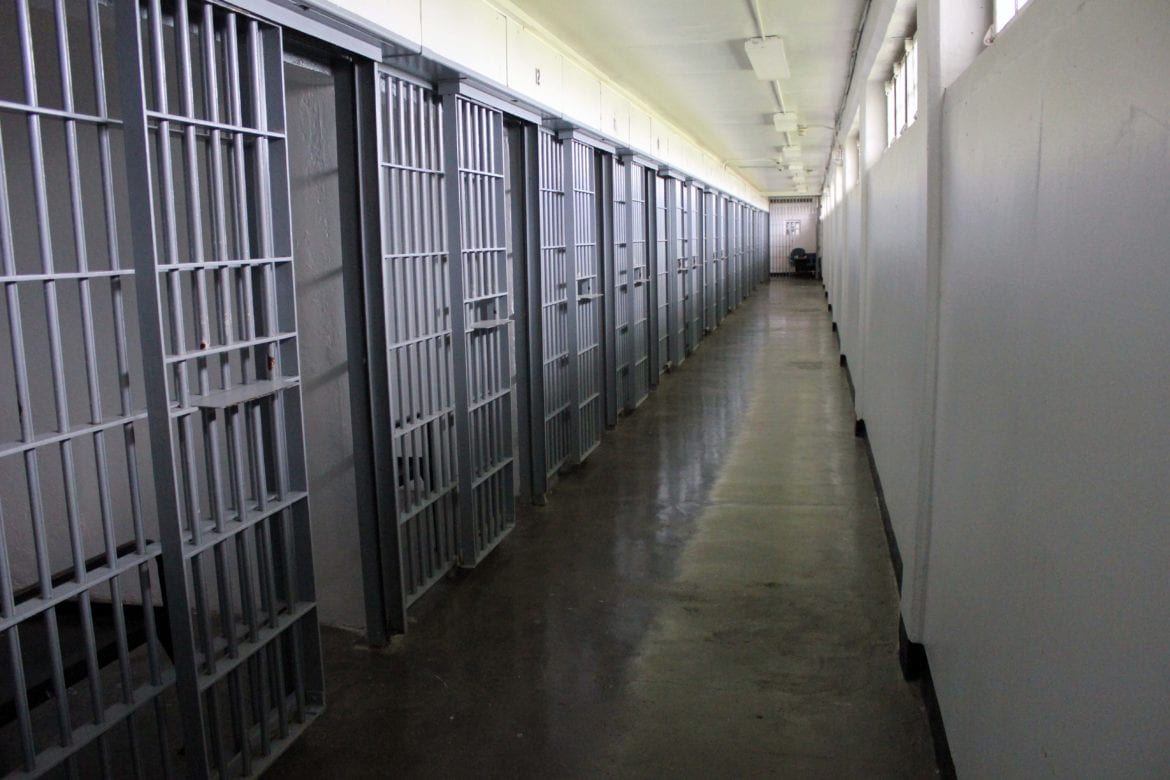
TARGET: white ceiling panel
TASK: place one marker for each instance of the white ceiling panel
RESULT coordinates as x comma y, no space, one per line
686,58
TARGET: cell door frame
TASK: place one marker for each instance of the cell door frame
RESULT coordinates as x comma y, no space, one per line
675,186
524,169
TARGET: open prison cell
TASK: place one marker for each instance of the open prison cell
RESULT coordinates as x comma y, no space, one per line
172,430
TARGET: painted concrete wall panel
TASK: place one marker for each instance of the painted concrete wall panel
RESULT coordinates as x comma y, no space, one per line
1048,616
615,115
469,32
535,69
402,17
895,349
641,130
581,96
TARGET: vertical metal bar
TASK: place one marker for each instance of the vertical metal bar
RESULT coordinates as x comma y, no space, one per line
20,371
49,292
139,178
533,305
292,523
89,349
573,377
638,282
650,183
452,138
673,304
502,336
126,407
610,284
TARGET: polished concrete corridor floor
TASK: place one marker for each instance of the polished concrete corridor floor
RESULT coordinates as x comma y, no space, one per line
709,596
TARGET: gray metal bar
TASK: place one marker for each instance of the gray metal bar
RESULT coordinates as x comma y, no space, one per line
570,174
7,605
451,141
675,275
642,281
49,294
534,311
610,283
132,62
89,350
655,258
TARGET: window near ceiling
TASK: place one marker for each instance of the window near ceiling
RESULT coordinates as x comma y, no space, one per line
1006,10
902,92
891,115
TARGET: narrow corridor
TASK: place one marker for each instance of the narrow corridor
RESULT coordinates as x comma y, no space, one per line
710,595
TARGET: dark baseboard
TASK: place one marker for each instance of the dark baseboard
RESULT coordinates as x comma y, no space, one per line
887,525
916,668
912,656
849,380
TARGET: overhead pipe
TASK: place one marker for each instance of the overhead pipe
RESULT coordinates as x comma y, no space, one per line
848,83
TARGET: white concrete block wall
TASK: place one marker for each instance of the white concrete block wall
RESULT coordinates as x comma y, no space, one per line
1053,389
1047,531
895,281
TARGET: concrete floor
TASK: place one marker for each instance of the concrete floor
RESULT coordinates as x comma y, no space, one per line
709,596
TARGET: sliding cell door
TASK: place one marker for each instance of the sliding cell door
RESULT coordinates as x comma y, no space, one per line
587,295
204,126
622,285
418,382
642,276
481,318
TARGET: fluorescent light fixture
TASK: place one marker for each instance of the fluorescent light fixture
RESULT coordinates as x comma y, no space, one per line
767,57
792,153
794,168
785,122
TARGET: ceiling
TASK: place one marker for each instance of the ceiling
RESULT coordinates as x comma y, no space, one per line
686,58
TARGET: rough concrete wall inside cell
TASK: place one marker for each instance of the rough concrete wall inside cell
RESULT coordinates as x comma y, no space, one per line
317,251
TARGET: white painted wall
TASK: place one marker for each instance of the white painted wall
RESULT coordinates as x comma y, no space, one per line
849,321
896,284
1047,619
1048,601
